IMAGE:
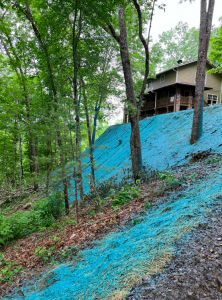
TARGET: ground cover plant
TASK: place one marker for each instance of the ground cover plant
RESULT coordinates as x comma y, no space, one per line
20,224
8,269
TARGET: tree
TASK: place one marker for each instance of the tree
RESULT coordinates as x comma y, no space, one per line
134,101
206,16
215,50
177,43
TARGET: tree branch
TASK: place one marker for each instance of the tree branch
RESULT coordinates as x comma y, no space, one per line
113,33
145,45
151,19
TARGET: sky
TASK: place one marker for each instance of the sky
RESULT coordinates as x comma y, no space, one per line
164,21
185,12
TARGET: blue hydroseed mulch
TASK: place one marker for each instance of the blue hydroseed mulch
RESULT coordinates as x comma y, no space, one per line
164,139
122,259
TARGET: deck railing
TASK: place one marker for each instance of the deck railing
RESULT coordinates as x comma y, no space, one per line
149,105
186,100
164,102
160,103
168,102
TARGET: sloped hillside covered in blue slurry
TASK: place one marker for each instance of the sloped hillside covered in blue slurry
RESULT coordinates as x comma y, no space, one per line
122,259
165,143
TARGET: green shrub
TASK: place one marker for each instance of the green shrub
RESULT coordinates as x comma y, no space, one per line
44,253
51,206
105,188
147,205
126,194
136,222
167,177
42,216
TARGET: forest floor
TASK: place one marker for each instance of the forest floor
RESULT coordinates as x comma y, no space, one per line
194,272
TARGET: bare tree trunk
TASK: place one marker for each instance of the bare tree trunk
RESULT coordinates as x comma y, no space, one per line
76,196
64,177
3,158
78,149
48,151
132,105
74,176
205,30
76,63
92,179
20,160
13,169
135,142
97,108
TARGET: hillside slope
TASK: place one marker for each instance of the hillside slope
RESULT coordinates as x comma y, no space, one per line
109,269
122,259
165,143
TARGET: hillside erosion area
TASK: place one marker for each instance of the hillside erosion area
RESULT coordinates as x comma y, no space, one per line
165,143
160,244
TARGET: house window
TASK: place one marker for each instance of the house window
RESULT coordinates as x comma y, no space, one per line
162,78
148,85
212,99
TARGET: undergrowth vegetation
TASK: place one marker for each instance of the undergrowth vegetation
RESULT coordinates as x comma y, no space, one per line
44,213
121,192
8,269
126,194
20,224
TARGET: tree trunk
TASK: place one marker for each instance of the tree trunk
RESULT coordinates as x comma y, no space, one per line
13,169
34,166
3,159
97,108
48,151
29,16
76,196
205,30
135,142
76,64
21,76
64,177
20,160
78,150
74,174
92,179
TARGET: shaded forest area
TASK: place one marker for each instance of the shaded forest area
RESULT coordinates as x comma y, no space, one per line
60,71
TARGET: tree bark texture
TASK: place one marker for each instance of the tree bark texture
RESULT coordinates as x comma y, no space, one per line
205,30
92,179
76,63
135,142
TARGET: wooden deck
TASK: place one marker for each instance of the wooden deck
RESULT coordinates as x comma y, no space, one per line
184,101
164,106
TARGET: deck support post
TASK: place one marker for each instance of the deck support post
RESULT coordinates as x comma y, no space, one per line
178,97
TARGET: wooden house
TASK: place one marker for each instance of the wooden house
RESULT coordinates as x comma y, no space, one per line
174,90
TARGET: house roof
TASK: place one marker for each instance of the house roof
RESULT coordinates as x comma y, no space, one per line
181,65
183,83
